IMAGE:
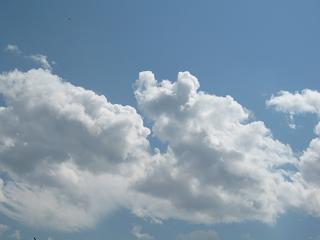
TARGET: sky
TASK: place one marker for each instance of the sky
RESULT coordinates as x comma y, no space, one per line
163,120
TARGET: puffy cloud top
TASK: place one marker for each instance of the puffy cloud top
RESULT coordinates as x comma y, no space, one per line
218,166
49,120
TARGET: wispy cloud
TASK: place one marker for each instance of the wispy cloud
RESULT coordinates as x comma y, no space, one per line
40,59
13,49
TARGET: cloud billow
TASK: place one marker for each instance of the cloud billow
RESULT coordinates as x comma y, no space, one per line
73,157
219,166
65,148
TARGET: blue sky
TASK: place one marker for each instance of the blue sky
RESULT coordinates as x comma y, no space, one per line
249,50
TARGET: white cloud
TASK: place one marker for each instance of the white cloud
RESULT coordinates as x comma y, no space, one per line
219,166
308,101
199,235
13,49
42,60
65,147
310,162
136,231
66,208
48,120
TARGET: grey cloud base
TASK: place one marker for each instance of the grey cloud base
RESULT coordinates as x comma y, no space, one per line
64,147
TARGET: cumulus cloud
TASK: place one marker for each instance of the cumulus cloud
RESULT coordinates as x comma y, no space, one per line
306,101
199,235
50,121
64,147
219,166
66,207
139,234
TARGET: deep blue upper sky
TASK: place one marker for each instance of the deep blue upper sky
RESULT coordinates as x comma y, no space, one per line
247,49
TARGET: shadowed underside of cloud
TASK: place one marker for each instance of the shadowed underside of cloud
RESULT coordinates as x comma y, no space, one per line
72,157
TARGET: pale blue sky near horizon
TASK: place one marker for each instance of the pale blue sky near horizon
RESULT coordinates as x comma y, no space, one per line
246,49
